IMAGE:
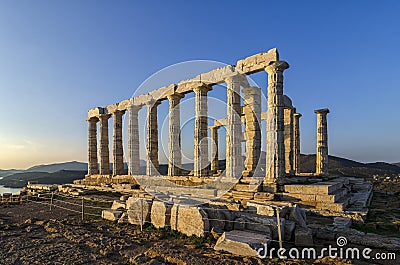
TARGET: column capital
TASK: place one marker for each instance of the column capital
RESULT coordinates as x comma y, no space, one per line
202,89
153,103
175,96
92,119
321,111
277,66
235,78
297,115
132,107
118,112
104,116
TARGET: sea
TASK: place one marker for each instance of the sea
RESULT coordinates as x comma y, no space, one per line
9,190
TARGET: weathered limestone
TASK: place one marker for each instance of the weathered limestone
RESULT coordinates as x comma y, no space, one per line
133,140
152,164
111,215
189,220
234,163
92,146
174,143
117,204
252,113
118,152
201,132
275,153
242,243
289,139
321,160
104,149
296,146
214,148
138,210
303,237
161,214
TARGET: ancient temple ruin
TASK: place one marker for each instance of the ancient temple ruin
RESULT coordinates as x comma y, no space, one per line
282,134
252,193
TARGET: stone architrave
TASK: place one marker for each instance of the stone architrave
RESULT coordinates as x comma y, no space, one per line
214,148
234,161
104,149
275,151
152,164
296,147
93,167
289,139
118,152
133,140
252,113
321,159
201,132
174,143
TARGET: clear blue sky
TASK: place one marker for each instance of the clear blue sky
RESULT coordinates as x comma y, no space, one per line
60,58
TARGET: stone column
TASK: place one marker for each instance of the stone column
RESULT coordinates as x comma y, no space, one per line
201,132
118,151
252,112
93,167
234,161
133,141
214,149
174,143
275,152
289,140
104,150
296,146
321,159
152,164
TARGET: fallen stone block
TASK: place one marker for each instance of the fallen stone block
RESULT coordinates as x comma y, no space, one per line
124,198
341,222
161,214
289,230
242,243
111,215
138,210
189,220
303,237
118,204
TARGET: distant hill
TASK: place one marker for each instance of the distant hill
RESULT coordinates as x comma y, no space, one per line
349,167
19,180
67,172
74,165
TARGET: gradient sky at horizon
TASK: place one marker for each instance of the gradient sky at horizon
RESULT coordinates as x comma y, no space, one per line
60,58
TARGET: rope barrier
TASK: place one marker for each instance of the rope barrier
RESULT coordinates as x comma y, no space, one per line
44,201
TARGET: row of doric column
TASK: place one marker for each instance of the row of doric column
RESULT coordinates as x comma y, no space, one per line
283,134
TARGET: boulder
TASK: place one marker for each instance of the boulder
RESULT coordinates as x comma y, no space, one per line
342,222
242,243
138,210
189,220
118,204
111,215
298,215
161,214
303,237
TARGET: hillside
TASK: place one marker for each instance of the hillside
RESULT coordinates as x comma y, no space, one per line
20,180
50,168
349,167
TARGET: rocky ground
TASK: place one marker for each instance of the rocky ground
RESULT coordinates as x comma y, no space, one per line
31,234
